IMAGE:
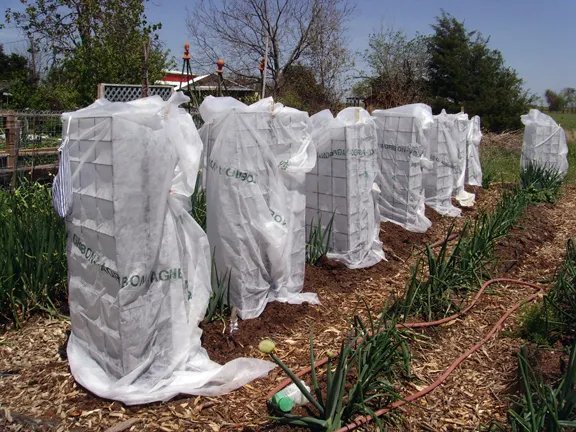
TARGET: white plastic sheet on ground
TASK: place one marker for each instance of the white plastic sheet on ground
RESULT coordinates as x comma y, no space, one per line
445,156
402,144
544,142
257,160
341,186
473,166
138,264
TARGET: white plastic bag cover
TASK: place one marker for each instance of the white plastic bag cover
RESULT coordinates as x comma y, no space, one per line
459,129
444,156
341,186
473,166
544,142
401,146
138,264
257,159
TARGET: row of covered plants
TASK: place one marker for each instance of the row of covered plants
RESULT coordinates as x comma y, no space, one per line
374,358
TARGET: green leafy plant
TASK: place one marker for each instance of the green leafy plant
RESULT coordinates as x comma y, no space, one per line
544,407
431,285
439,277
555,317
32,253
561,299
318,242
198,201
487,178
541,182
357,380
536,323
219,304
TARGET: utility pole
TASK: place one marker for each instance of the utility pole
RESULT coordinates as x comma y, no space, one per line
265,50
145,82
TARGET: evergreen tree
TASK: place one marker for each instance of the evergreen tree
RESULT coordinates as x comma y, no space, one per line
463,72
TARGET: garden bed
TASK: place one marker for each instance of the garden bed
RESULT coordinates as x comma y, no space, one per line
35,384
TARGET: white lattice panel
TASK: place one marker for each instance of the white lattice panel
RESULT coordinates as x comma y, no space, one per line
130,92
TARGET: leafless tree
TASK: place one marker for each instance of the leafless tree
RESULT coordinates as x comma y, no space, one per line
308,32
398,68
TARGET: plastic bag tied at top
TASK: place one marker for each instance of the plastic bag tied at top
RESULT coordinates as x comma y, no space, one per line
139,265
402,145
544,142
256,161
341,187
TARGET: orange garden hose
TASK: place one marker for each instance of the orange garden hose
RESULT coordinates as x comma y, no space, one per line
412,397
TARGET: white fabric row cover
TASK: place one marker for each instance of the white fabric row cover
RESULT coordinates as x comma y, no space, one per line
138,264
544,142
444,169
473,166
460,129
257,160
341,187
401,149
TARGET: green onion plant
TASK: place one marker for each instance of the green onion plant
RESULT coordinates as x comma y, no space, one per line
318,241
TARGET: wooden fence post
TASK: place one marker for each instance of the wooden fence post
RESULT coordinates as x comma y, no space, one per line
12,131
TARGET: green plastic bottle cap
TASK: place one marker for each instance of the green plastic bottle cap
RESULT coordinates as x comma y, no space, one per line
282,402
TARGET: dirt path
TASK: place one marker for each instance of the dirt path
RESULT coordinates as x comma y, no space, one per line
35,384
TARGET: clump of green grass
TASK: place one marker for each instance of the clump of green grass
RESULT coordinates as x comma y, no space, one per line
32,253
541,183
219,304
499,163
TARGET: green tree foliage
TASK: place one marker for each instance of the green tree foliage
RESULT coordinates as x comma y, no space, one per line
15,77
463,72
301,90
569,94
555,101
397,69
12,66
90,42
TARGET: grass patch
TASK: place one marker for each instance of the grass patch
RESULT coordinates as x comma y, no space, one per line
541,183
571,174
198,204
566,120
219,304
499,164
318,241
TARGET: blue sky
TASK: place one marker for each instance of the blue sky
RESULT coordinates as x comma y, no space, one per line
537,38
